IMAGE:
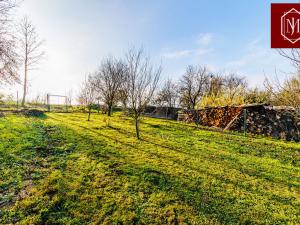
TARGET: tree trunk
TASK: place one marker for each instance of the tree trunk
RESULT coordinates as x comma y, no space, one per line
25,83
137,128
89,116
167,112
109,110
98,108
193,106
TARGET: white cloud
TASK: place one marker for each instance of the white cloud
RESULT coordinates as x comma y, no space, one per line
186,53
199,48
177,54
205,38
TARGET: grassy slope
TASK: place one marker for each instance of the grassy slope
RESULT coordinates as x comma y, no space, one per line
66,170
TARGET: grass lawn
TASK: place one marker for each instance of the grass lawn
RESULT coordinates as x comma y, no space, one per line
62,169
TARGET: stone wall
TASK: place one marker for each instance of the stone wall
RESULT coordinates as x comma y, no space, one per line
278,122
162,112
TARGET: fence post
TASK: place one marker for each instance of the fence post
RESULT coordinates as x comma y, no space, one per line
66,100
48,103
245,121
17,100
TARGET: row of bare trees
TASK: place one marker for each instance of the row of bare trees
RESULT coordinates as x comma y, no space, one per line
285,92
20,47
199,87
131,81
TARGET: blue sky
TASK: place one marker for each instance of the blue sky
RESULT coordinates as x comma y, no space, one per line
231,36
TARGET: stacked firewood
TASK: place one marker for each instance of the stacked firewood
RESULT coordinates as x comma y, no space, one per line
281,123
278,122
219,116
212,117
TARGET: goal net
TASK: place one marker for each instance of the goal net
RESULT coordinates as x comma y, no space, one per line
57,103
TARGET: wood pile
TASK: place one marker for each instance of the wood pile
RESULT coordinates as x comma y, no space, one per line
278,122
212,117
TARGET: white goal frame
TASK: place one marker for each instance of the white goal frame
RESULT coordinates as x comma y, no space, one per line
59,96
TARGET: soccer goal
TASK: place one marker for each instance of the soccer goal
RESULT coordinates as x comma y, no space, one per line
57,103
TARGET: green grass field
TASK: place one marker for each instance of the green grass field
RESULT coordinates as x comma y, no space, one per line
62,169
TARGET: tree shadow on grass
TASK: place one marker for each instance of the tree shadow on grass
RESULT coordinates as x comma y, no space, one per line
115,139
231,165
209,200
168,157
212,160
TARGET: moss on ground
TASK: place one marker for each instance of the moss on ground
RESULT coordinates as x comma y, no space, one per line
65,170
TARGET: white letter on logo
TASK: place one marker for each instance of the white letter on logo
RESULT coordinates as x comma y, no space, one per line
292,25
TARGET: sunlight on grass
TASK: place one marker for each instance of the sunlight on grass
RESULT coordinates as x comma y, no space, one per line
66,170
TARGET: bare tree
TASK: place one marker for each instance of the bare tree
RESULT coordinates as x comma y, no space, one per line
70,96
225,90
293,55
38,99
2,96
123,95
215,89
234,86
141,84
8,55
168,95
284,93
108,80
87,95
256,95
30,48
123,92
193,86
